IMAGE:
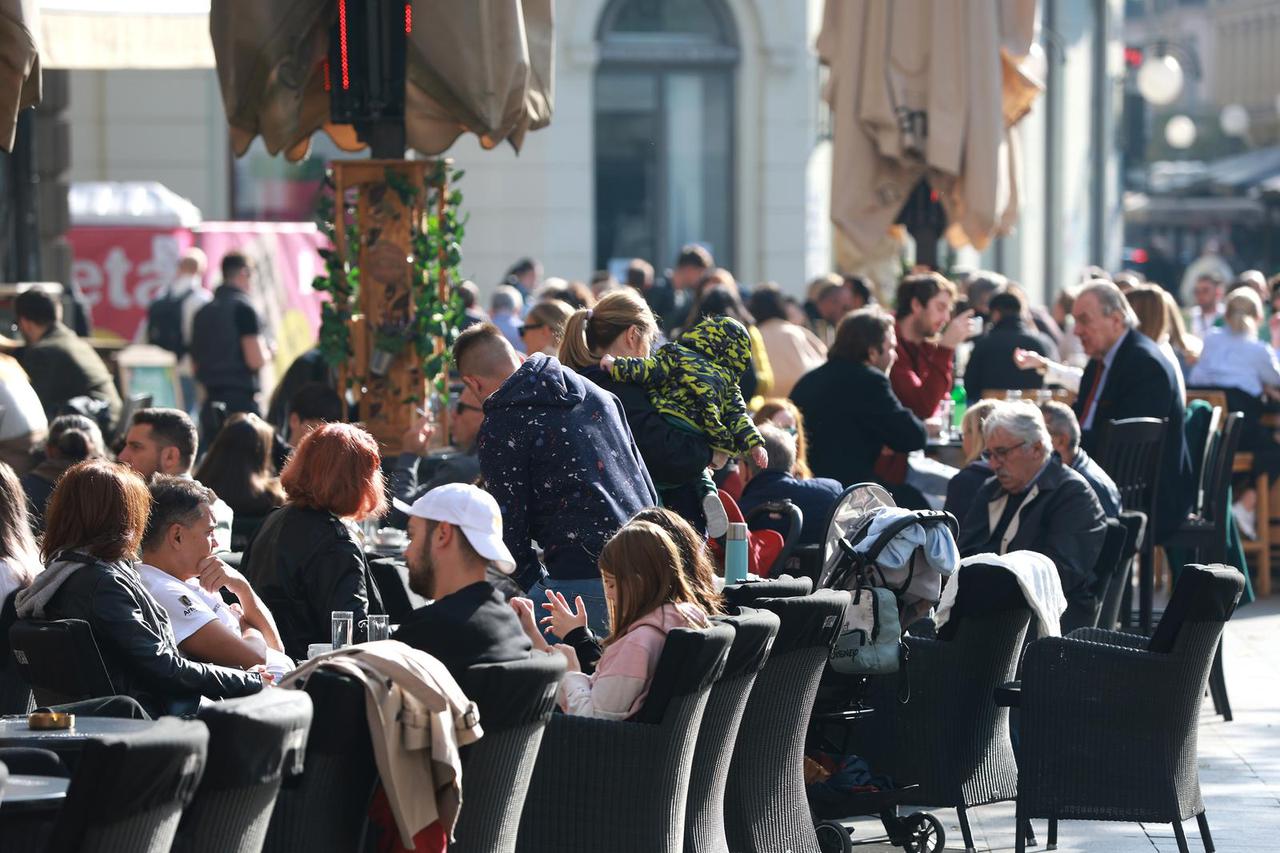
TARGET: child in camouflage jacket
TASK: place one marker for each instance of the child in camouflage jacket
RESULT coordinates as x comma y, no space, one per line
694,382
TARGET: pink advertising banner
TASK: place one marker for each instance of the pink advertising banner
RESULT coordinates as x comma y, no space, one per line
121,270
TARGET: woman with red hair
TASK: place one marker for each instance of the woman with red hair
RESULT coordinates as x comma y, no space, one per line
304,562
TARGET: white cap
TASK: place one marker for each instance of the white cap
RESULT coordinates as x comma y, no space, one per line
473,511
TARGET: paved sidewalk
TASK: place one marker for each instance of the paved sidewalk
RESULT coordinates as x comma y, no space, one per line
1239,767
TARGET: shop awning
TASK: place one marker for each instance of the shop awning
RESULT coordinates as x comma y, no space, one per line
110,34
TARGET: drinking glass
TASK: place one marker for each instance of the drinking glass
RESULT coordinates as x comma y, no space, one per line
379,628
946,410
343,620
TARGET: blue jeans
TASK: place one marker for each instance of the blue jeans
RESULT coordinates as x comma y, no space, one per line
592,592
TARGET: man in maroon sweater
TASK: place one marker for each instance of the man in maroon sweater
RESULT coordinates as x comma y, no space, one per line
925,367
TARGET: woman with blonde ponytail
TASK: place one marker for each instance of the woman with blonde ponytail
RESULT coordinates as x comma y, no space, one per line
622,325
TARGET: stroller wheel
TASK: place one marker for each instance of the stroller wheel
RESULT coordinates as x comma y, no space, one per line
833,837
923,833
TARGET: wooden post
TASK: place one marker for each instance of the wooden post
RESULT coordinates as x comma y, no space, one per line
388,368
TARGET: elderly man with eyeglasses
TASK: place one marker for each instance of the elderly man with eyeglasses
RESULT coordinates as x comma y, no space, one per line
418,471
1036,503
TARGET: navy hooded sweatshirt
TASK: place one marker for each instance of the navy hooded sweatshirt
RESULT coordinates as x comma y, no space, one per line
557,455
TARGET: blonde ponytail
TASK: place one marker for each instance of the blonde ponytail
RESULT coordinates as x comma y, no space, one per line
590,331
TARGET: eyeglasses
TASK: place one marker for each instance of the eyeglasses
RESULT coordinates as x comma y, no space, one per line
462,408
529,327
999,454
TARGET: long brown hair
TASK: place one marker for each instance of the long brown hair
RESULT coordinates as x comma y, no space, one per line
590,331
1183,342
695,559
17,546
337,468
238,466
99,508
644,565
1148,304
765,414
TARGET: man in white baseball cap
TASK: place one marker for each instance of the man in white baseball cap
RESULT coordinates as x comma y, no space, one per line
455,532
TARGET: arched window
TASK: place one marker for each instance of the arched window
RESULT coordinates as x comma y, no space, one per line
664,130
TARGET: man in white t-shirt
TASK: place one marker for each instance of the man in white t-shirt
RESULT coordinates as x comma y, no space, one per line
180,570
164,441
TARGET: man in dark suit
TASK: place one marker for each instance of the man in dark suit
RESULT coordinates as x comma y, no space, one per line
991,363
1035,503
850,411
814,497
1127,377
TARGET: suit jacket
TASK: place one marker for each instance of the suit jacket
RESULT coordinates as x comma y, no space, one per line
991,362
1060,518
850,412
1142,384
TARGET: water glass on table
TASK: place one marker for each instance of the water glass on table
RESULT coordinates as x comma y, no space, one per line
343,623
379,627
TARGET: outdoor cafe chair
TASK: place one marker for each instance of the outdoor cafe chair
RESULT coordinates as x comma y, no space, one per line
326,808
753,637
1135,524
15,693
1109,721
254,742
1132,454
622,785
766,809
60,660
949,739
515,700
128,790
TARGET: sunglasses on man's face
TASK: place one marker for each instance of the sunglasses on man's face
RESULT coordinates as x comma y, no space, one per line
529,327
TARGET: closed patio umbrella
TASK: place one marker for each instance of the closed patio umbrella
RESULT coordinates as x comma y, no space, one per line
483,67
19,64
925,89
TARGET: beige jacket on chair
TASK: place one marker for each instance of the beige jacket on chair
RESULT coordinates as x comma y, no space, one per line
418,718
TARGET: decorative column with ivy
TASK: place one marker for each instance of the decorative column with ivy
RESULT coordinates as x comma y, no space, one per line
393,307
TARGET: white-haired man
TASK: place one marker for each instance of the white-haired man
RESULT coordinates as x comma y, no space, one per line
1035,503
1128,378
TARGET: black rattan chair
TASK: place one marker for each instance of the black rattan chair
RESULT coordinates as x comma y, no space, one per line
621,785
1132,454
754,635
746,594
254,742
765,805
1109,563
1135,524
128,791
949,737
15,693
515,700
60,660
326,808
1109,721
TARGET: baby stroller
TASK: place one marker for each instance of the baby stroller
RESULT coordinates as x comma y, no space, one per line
893,582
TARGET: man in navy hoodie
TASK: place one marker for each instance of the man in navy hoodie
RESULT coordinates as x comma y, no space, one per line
557,454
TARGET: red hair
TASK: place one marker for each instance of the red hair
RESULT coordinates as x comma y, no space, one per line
337,468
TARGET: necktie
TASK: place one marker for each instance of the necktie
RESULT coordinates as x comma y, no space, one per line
1093,391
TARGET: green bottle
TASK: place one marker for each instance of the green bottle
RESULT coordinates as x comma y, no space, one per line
959,403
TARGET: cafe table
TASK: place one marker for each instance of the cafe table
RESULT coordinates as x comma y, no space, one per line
14,731
26,794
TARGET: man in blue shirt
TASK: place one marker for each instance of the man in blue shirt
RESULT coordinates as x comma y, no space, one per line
1064,433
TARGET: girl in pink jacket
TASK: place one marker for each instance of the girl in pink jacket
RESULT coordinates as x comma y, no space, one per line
648,595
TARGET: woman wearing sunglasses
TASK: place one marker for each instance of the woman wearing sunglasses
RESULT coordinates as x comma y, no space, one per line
543,328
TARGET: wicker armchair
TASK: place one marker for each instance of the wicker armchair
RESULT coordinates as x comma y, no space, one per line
326,808
129,790
621,786
766,809
754,634
747,593
253,743
950,738
515,700
1109,721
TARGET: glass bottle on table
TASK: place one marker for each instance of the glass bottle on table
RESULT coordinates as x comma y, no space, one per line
959,404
